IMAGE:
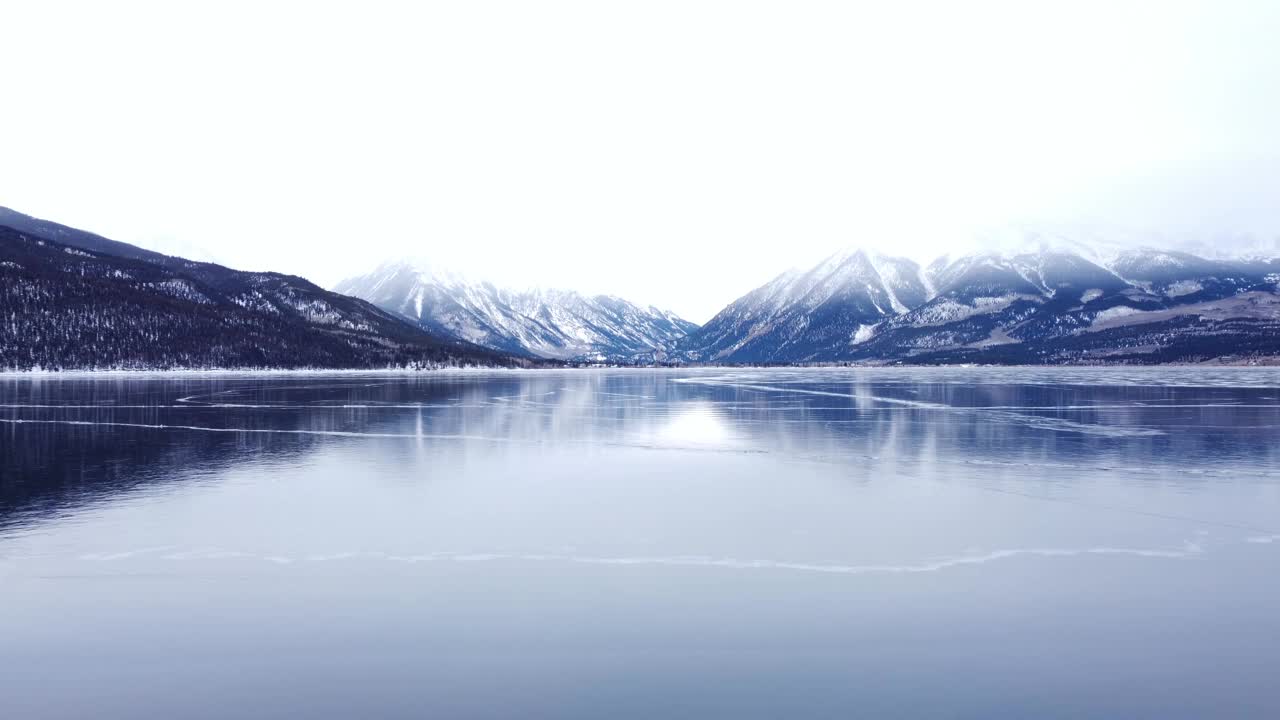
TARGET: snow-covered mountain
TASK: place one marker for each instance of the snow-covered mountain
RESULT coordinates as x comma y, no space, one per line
804,314
1059,301
557,324
79,300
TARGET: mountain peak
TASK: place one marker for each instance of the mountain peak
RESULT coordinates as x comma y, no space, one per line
539,321
1038,296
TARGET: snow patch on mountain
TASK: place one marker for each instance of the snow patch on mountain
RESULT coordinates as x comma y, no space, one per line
1113,313
1183,287
948,311
863,334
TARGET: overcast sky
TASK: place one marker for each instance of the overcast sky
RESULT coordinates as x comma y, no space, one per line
674,153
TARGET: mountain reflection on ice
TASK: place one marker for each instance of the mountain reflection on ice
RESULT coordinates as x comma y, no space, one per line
745,543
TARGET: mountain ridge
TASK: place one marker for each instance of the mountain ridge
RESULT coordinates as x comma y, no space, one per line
537,322
105,304
1048,298
1051,305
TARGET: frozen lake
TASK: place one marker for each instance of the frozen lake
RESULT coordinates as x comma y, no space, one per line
968,543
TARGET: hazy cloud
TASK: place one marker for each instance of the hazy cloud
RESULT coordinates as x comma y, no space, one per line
675,153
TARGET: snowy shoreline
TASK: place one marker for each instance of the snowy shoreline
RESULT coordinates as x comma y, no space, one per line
1260,363
255,371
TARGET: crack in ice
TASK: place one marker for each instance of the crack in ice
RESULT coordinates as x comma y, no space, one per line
1188,549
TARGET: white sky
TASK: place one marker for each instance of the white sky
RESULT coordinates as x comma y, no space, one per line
675,153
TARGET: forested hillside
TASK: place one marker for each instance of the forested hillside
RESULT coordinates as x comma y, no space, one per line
67,307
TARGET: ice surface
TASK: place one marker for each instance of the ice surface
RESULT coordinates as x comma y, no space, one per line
619,543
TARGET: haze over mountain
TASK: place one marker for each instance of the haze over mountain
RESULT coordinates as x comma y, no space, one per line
674,154
561,324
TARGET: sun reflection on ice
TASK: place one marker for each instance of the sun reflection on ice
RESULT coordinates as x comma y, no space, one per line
696,424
